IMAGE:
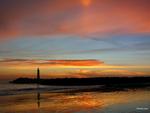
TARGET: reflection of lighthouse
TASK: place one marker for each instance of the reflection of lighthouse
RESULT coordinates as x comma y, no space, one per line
38,75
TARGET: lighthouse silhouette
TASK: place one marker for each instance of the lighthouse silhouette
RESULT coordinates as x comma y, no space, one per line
38,86
38,75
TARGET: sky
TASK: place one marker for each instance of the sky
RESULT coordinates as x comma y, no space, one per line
74,38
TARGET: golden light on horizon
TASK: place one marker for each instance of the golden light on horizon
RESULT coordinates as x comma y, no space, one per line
86,2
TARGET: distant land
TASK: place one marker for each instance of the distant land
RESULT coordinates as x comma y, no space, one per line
108,82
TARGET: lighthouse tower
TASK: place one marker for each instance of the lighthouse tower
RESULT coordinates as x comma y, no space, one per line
38,75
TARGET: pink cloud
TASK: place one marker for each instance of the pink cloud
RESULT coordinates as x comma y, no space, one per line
36,17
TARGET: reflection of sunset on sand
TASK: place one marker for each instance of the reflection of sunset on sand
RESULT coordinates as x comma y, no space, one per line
68,102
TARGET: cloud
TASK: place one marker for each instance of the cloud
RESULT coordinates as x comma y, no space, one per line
122,73
52,62
86,63
55,17
84,73
68,68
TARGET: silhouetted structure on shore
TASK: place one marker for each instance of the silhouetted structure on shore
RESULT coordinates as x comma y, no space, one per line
111,82
38,87
107,81
38,75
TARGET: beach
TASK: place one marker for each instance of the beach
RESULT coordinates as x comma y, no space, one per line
66,100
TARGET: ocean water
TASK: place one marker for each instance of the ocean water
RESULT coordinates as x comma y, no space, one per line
7,88
61,99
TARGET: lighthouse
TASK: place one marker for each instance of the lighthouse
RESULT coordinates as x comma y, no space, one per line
38,75
38,86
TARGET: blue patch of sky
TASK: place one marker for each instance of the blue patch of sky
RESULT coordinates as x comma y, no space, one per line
122,50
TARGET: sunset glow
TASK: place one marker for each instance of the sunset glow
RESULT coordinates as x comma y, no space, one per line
86,2
74,38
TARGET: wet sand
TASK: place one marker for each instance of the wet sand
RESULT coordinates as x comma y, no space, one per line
131,101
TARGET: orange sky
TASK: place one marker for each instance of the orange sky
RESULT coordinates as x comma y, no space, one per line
64,68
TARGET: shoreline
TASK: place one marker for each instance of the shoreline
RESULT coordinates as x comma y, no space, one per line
70,85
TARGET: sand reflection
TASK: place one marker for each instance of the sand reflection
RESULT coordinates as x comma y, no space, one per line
68,102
